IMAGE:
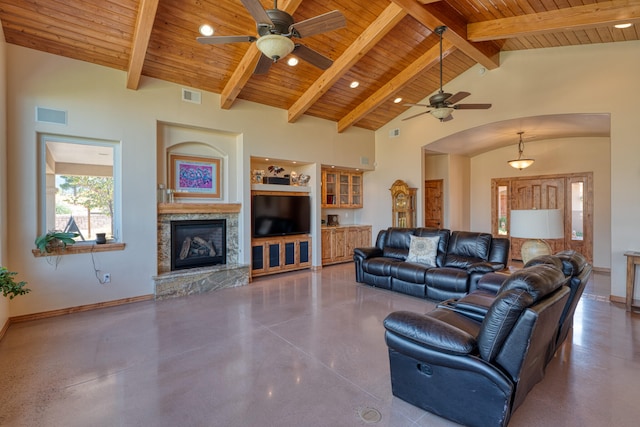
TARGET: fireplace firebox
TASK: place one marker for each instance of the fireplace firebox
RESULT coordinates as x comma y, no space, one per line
198,243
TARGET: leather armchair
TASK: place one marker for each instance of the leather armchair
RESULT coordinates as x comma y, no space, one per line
478,372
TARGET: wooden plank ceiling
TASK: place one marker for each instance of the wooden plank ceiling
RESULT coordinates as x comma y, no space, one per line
388,46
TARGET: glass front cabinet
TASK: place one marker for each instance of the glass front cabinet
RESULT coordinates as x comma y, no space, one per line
341,189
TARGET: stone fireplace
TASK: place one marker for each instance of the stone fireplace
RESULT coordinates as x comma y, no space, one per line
202,255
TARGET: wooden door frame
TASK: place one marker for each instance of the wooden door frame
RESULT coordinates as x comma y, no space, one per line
586,177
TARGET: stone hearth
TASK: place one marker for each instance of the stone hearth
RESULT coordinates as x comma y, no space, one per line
202,279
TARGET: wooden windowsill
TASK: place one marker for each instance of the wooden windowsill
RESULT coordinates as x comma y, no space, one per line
81,248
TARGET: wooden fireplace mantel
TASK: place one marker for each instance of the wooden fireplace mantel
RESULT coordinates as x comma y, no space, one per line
203,208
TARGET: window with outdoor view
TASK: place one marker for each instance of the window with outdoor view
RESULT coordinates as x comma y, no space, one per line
502,210
80,191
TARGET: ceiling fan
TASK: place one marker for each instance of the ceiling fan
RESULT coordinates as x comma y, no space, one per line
442,104
275,29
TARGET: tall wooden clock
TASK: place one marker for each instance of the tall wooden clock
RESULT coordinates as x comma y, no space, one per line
403,204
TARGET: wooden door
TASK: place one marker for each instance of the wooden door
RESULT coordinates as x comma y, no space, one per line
433,213
539,193
573,193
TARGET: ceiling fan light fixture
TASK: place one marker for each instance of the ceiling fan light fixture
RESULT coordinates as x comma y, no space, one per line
275,46
520,163
442,112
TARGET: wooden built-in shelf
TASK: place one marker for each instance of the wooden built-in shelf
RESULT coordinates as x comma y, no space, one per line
185,208
81,248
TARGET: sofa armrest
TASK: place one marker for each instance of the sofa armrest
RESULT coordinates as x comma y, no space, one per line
430,332
365,253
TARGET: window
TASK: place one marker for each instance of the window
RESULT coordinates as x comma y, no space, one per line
503,198
79,186
577,210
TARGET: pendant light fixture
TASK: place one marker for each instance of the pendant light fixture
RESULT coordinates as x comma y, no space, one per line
520,163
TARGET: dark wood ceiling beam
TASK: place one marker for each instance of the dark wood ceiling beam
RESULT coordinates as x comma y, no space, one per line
244,70
435,14
429,59
567,19
141,35
384,23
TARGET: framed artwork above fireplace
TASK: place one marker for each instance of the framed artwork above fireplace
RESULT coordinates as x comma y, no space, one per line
195,176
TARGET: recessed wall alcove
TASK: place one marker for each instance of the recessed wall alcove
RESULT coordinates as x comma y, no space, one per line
192,141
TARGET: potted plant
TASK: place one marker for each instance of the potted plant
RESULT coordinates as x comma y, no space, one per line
52,240
9,287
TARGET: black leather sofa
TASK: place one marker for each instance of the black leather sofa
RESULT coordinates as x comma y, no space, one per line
462,258
574,266
478,372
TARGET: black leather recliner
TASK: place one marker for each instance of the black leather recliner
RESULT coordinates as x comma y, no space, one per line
478,372
573,264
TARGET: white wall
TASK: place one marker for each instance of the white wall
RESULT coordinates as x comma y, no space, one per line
99,106
569,155
530,83
4,304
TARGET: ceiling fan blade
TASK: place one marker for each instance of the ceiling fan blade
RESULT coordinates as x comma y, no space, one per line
458,97
416,105
263,65
312,57
257,11
322,23
472,106
225,39
416,115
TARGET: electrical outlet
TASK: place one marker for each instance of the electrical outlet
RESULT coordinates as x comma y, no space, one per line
106,278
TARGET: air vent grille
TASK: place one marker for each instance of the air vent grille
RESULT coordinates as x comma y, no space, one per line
191,96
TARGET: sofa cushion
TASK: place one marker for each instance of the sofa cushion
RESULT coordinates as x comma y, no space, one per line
537,280
409,272
379,266
423,250
397,243
466,248
497,324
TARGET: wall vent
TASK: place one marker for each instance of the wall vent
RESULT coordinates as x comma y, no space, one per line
191,96
364,160
394,132
48,115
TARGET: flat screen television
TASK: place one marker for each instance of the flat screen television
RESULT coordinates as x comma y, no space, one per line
280,215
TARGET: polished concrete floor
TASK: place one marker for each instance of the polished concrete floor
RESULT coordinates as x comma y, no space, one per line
297,349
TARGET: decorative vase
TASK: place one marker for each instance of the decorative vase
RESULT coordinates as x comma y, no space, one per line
101,238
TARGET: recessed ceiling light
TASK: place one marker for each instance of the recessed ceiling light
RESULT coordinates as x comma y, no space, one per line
625,25
266,160
206,30
292,61
398,100
294,162
354,84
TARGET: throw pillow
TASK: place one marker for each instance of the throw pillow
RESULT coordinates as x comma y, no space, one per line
423,250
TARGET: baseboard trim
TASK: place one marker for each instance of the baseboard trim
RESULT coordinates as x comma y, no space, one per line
76,309
4,328
602,270
621,300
